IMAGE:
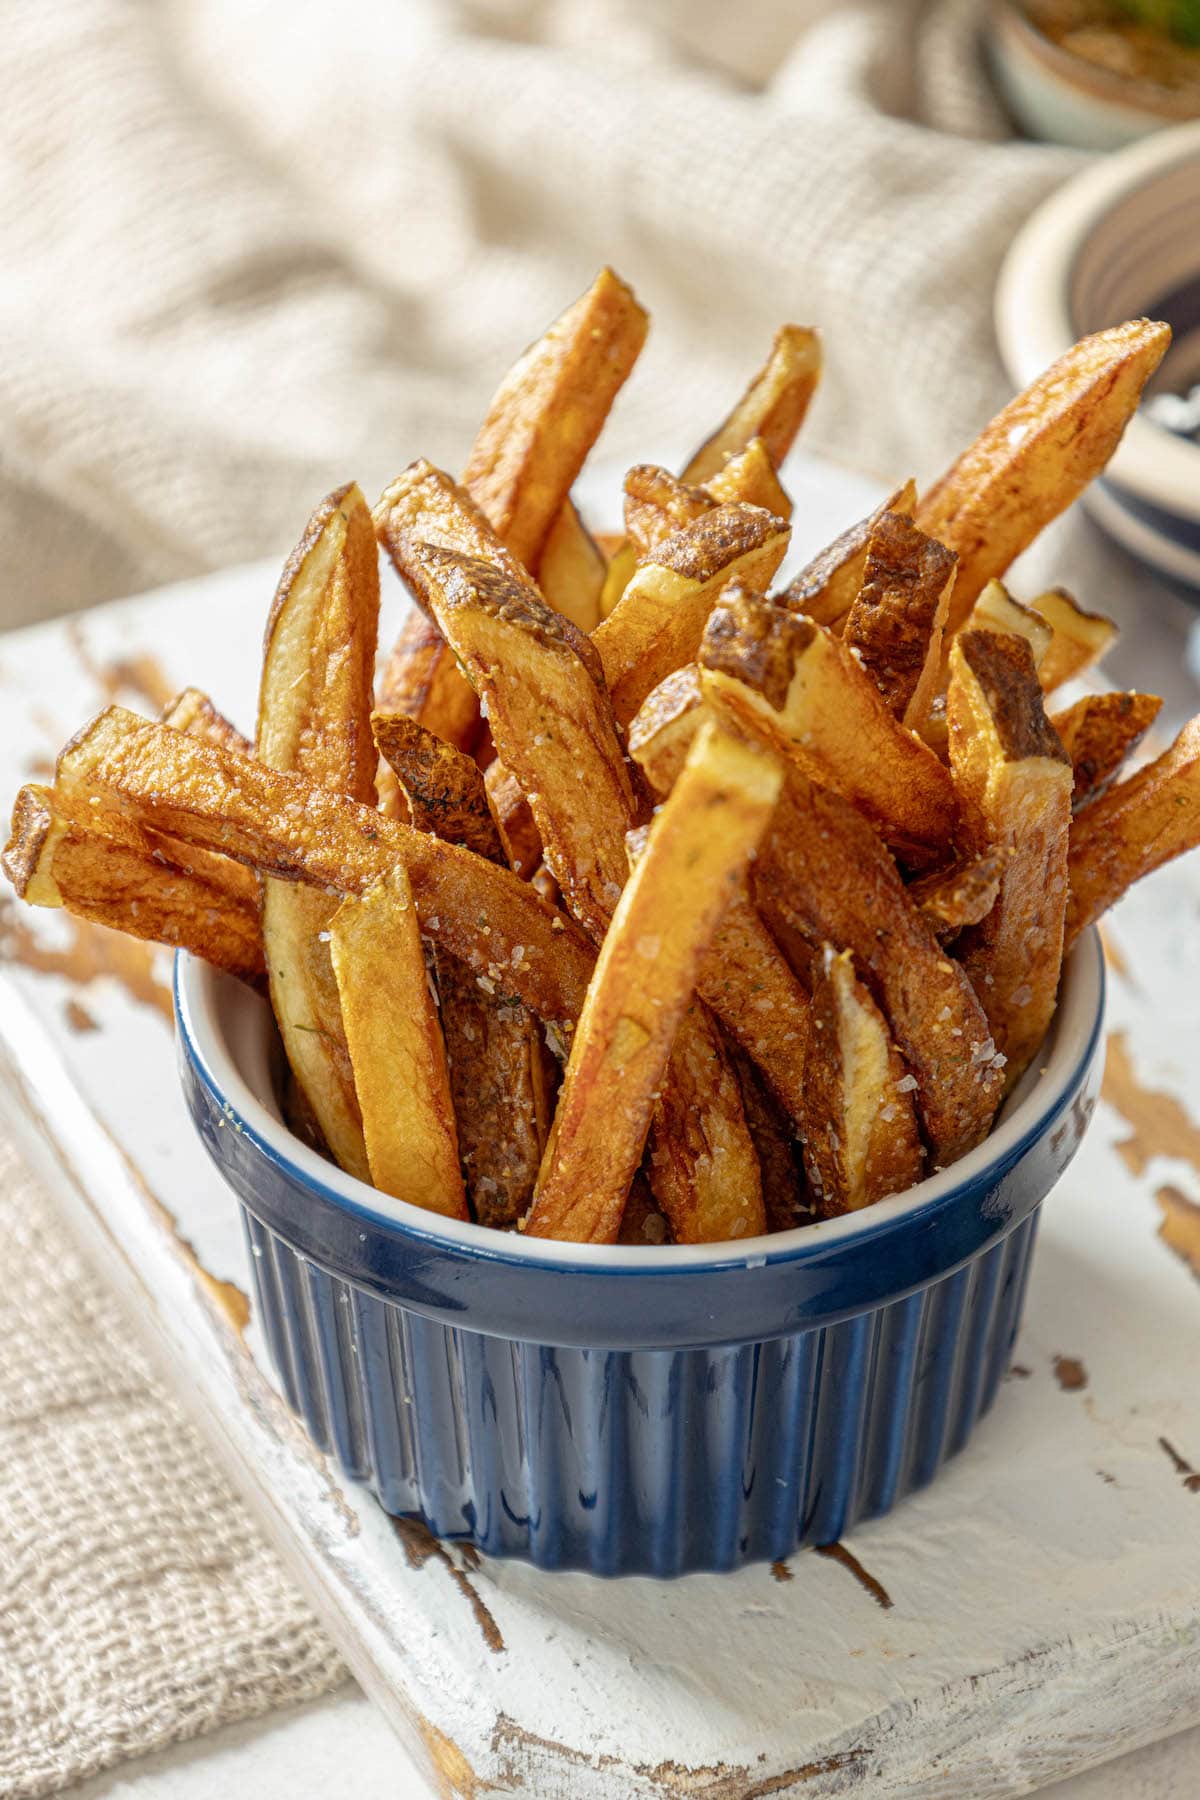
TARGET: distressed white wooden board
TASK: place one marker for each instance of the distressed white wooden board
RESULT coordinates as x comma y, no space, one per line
1045,1593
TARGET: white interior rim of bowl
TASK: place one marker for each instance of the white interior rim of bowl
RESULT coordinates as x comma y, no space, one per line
1034,322
1076,1026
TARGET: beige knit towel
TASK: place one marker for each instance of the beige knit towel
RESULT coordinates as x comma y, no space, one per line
253,250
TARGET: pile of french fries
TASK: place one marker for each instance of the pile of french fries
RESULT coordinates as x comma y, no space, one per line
636,901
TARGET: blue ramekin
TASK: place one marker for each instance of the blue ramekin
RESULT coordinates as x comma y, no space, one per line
635,1410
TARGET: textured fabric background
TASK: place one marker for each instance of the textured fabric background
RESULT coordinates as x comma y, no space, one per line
253,248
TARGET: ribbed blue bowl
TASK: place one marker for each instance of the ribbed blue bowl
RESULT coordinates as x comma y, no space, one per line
636,1410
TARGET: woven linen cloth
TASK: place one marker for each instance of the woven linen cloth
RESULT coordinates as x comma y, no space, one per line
253,250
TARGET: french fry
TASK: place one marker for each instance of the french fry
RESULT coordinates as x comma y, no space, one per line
643,1222
750,476
797,688
493,1045
1098,733
861,1140
514,820
785,1196
996,610
894,628
290,828
1038,455
422,680
116,874
827,587
548,412
962,895
571,569
1016,781
699,846
658,504
1078,638
661,731
396,1050
194,712
824,873
1133,829
772,408
658,624
314,710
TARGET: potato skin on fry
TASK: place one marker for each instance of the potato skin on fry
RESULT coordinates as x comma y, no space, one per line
1098,733
772,408
894,629
422,680
962,895
1016,780
1038,455
827,587
1078,638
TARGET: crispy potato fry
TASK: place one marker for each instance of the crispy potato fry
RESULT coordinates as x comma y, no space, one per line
961,895
894,628
824,874
1134,829
422,680
498,1079
1015,778
290,828
797,688
661,617
314,719
1038,455
658,504
699,846
1078,638
622,565
772,408
548,412
571,569
750,476
1098,733
661,731
114,873
396,1048
996,610
550,721
861,1141
827,587
514,820
785,1196
194,712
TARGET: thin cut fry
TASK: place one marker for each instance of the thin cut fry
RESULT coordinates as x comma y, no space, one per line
571,569
659,622
194,712
288,827
797,688
1038,455
1078,638
548,412
1098,733
699,846
115,874
493,1044
1016,781
314,719
396,1048
828,586
861,1141
772,408
962,895
1134,829
422,680
894,629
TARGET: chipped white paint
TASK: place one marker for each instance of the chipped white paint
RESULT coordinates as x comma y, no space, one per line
1045,1593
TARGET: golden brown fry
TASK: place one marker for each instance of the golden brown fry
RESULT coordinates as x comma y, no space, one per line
1016,781
194,712
571,569
498,1081
797,688
1098,733
514,820
772,408
824,874
1134,829
1078,638
661,732
115,874
861,1141
658,624
314,719
961,895
894,629
548,412
287,827
550,721
996,610
785,1197
699,846
658,504
828,586
422,680
395,1042
750,476
1038,455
